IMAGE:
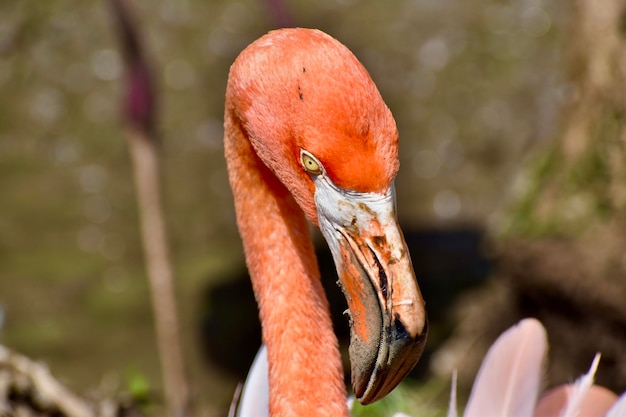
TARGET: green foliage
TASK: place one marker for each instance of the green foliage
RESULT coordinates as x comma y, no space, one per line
521,220
429,399
140,390
565,197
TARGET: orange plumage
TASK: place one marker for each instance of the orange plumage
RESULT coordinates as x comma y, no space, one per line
294,91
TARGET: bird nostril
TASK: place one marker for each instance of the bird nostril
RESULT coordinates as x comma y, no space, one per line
382,277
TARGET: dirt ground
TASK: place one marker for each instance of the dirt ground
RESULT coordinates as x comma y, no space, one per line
577,289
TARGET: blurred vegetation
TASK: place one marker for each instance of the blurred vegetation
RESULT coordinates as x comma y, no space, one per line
429,398
580,184
476,88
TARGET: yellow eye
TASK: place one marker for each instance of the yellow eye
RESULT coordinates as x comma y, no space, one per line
312,165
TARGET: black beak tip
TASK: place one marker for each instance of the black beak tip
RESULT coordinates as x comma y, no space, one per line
403,354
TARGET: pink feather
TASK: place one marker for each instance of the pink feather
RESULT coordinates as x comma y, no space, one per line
580,389
510,377
619,408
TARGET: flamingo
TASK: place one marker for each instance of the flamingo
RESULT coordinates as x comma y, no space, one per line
307,136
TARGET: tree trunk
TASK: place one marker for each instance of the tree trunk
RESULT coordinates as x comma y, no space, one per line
581,182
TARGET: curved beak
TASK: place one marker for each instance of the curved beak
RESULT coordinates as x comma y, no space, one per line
388,324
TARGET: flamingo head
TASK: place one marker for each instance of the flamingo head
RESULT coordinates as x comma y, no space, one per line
317,121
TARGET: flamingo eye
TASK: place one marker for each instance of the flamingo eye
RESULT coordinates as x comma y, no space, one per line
310,163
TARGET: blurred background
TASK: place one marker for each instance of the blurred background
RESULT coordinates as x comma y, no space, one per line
479,91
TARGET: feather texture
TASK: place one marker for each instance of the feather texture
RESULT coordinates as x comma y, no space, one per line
619,408
510,376
580,390
452,412
255,395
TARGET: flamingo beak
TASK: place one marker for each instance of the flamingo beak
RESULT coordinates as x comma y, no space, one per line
388,323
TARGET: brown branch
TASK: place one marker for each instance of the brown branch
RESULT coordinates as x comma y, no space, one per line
147,182
139,116
17,371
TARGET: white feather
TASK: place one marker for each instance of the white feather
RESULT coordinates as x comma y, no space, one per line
256,394
510,376
619,408
580,390
452,412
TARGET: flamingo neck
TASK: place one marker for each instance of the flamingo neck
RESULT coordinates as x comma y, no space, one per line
305,372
